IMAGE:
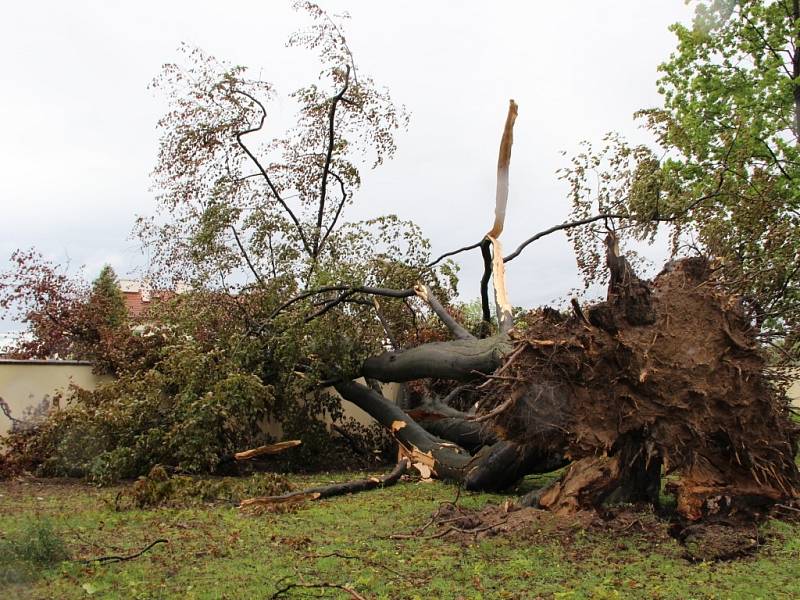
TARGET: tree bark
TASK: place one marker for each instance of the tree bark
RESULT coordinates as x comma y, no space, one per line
461,360
494,467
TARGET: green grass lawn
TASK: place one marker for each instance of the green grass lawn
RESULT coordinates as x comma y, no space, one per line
220,552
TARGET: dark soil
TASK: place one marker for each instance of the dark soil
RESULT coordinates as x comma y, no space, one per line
663,373
701,542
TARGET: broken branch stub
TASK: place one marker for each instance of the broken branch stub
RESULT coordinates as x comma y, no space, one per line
268,449
505,320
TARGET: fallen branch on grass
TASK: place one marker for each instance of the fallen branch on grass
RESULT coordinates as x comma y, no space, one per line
366,561
335,586
328,491
104,560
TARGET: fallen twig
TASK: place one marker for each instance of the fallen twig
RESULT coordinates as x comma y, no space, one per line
335,586
420,530
111,559
475,531
366,561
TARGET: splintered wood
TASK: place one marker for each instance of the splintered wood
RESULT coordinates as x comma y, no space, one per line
268,449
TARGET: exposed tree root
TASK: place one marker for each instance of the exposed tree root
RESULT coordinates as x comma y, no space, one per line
666,374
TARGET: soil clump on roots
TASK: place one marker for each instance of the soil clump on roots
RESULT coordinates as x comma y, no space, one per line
662,376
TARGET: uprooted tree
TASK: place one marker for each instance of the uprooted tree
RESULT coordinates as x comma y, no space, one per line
663,377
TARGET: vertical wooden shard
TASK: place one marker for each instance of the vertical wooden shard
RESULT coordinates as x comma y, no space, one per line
504,316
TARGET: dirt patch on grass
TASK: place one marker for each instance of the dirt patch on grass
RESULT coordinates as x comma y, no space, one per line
456,523
719,541
700,542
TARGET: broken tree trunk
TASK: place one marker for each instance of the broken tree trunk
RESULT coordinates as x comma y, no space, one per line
493,467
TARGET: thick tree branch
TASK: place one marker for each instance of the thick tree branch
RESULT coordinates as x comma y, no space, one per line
486,254
329,491
458,359
424,292
446,460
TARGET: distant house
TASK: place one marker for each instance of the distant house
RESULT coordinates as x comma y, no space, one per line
138,294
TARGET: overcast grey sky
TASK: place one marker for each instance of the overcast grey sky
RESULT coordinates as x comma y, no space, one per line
79,137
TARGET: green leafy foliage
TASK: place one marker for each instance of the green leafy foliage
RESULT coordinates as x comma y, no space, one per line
250,224
193,406
157,488
106,298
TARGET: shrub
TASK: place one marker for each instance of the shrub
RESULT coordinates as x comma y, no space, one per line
35,546
191,410
157,488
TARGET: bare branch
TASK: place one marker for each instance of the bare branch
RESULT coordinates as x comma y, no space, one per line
329,305
246,256
385,324
561,227
452,253
388,292
263,171
339,208
775,159
328,158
